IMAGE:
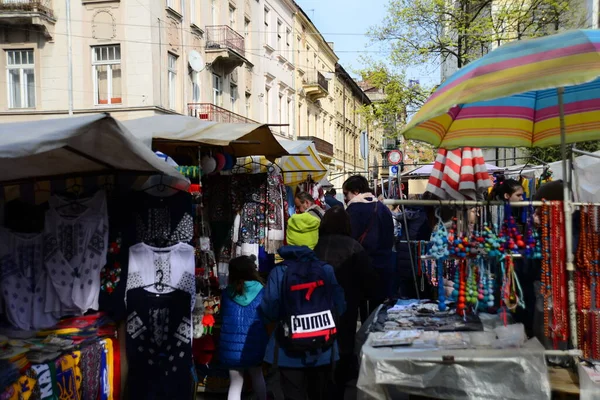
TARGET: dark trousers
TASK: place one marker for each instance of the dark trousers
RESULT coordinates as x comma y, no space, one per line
306,383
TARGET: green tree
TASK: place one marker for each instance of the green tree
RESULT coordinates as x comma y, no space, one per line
553,153
454,33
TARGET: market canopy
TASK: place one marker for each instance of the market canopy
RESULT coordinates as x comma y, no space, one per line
302,163
166,131
55,148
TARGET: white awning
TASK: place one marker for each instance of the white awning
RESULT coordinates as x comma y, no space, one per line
73,146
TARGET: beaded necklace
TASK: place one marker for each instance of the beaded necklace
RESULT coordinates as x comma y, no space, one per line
558,276
546,260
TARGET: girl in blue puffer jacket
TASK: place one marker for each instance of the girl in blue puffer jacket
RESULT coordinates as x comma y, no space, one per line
243,332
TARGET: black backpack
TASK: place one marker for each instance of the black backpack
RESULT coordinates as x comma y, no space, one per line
308,318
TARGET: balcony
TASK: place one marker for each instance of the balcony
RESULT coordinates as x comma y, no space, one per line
315,85
210,112
224,47
28,12
322,146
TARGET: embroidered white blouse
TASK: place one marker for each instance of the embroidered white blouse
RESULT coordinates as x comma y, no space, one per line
173,266
75,248
23,280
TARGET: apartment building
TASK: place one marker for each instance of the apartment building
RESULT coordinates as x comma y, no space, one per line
212,59
350,128
315,62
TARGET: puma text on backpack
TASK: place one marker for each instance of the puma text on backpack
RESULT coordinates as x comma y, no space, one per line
308,322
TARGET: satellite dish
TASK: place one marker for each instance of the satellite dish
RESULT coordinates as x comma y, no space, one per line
196,61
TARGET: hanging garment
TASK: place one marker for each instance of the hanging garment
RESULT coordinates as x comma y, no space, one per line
75,247
174,266
23,280
163,221
275,214
159,345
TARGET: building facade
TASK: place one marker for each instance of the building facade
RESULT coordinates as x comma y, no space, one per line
212,59
315,62
351,129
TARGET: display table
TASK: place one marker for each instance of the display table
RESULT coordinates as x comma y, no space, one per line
387,373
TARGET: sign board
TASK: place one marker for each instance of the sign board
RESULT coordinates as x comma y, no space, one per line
394,170
395,157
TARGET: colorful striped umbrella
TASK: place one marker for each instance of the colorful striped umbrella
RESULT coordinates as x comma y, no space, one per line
459,174
509,97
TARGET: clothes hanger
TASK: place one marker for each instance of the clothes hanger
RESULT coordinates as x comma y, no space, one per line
160,186
160,285
74,190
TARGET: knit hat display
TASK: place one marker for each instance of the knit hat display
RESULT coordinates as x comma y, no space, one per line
303,230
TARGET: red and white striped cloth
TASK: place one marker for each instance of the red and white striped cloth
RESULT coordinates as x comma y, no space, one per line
459,174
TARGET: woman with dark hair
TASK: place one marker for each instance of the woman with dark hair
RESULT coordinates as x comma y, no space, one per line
355,275
373,228
507,190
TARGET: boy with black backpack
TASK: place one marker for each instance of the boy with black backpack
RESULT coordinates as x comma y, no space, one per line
303,297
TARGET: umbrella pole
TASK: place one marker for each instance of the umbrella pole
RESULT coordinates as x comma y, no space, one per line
568,221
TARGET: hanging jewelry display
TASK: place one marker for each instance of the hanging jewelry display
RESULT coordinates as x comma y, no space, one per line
553,273
586,275
439,251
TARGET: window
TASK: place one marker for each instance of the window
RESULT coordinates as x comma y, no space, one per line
266,18
267,95
170,3
21,78
195,78
233,95
280,109
193,12
288,33
279,47
248,105
289,117
232,17
217,89
247,29
172,80
214,11
106,64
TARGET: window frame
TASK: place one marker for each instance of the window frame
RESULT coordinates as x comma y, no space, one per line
232,19
279,37
22,85
267,111
172,79
266,17
233,96
217,90
248,104
109,75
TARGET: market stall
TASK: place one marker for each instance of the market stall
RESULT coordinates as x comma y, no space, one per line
59,178
239,208
479,259
118,229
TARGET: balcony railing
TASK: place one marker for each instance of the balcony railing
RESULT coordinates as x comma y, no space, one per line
322,146
223,37
41,6
210,112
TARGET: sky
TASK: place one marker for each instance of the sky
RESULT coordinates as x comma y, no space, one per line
345,22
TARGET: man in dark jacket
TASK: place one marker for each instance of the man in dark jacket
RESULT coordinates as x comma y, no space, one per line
331,200
355,275
373,228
